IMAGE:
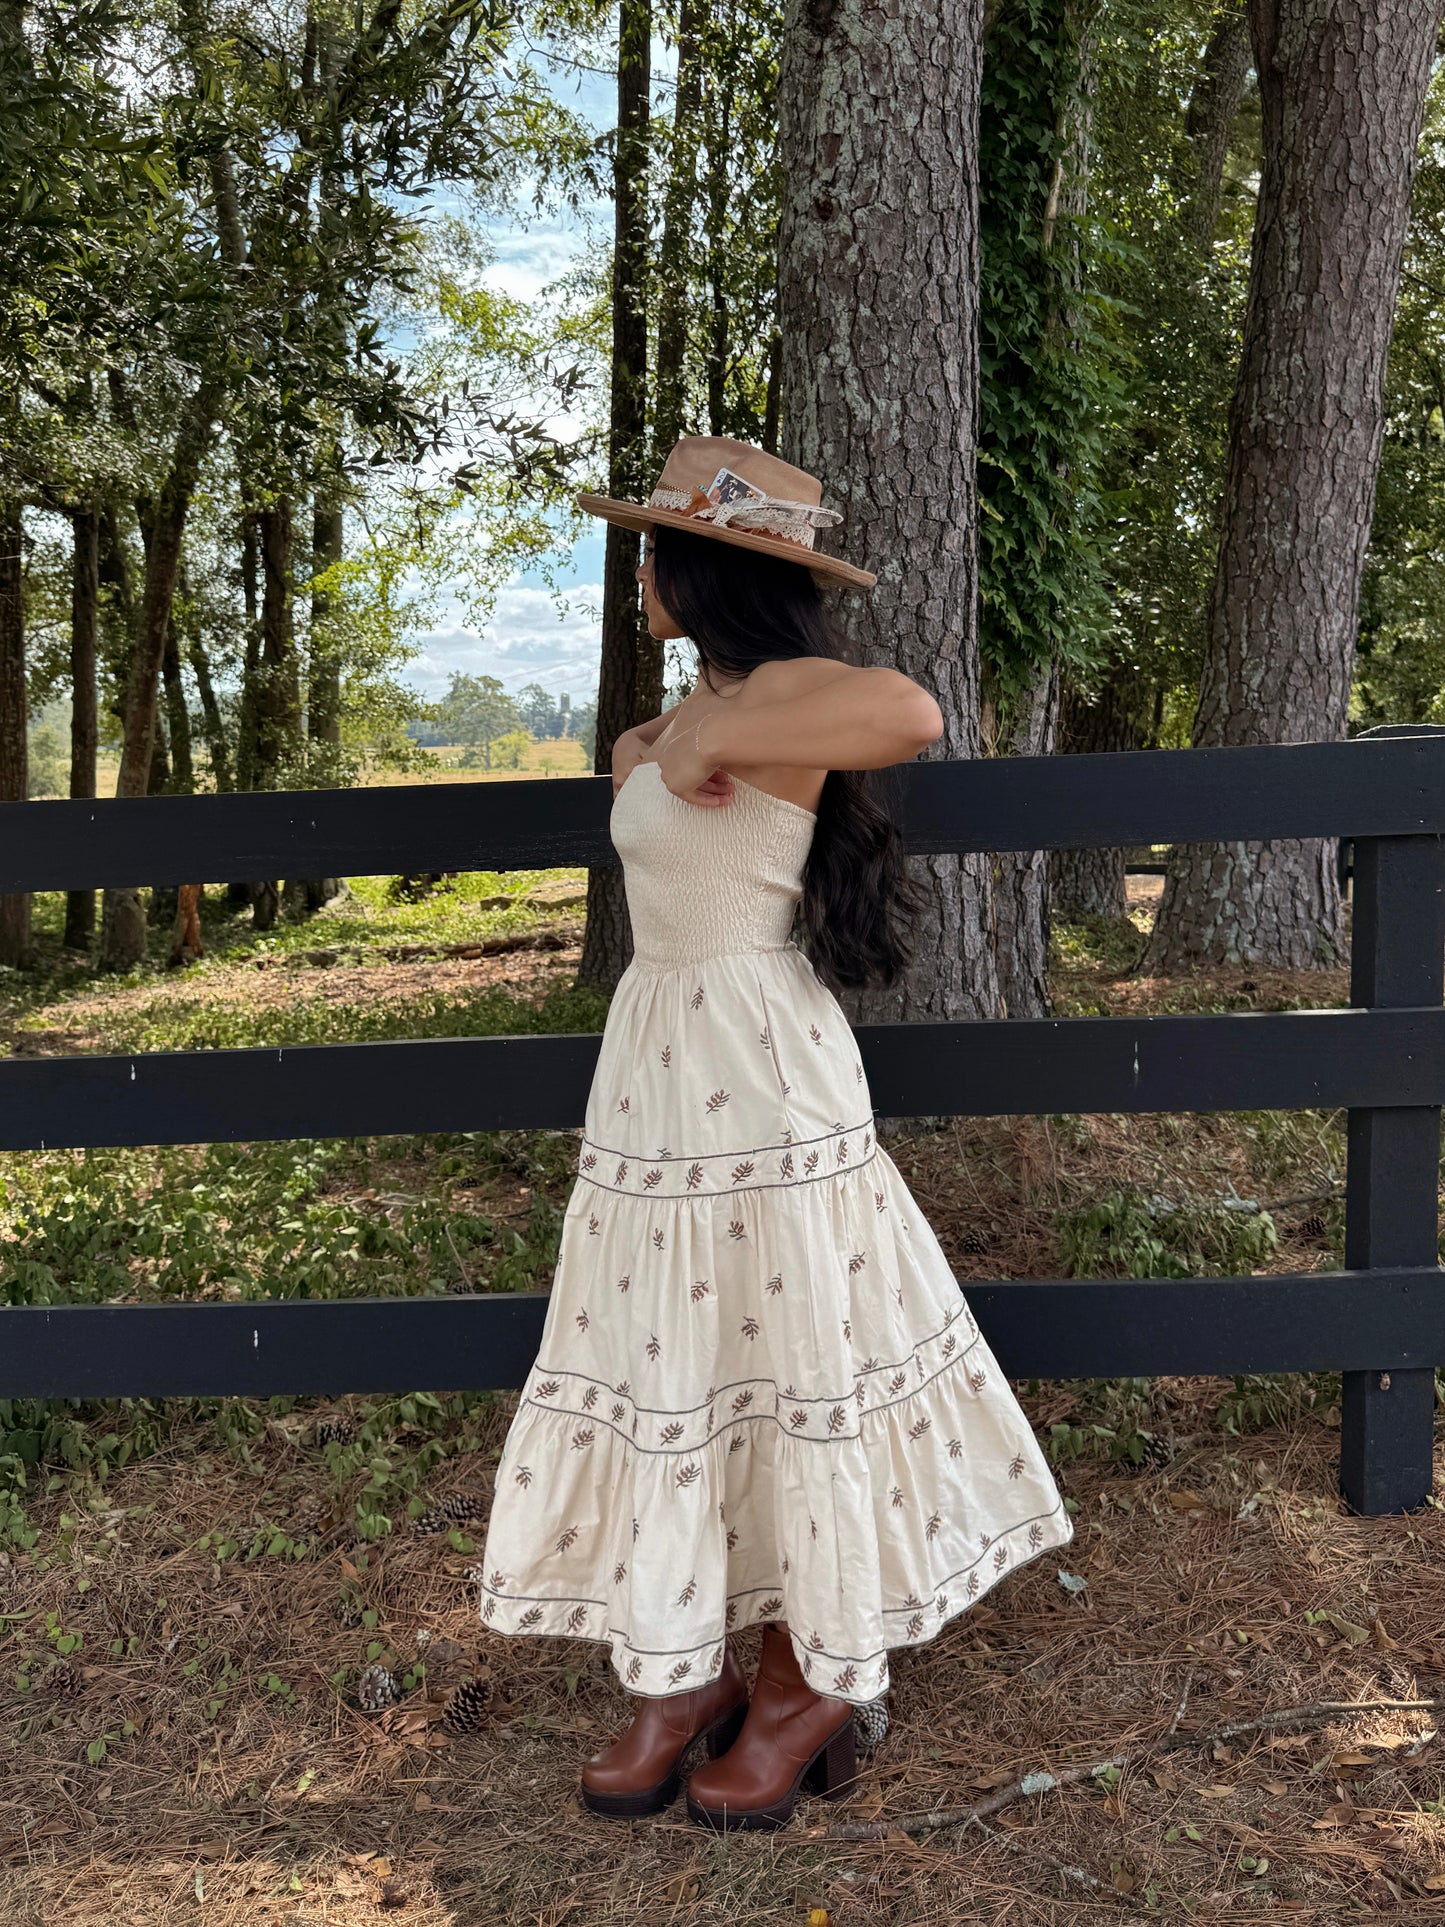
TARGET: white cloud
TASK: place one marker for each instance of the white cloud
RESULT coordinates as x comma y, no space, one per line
527,640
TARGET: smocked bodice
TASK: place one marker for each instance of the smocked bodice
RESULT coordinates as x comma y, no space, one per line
707,882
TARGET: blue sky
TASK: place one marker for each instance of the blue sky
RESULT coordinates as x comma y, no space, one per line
528,638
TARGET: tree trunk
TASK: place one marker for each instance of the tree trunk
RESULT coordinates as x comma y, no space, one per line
719,160
1213,108
1342,89
323,689
673,279
178,717
1021,877
1092,883
122,942
278,689
211,713
630,685
84,721
878,297
15,946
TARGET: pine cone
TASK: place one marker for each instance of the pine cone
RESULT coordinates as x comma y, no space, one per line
467,1706
870,1723
974,1243
334,1431
62,1681
379,1688
1314,1226
448,1512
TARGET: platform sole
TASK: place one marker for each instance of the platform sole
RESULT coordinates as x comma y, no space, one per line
656,1799
831,1772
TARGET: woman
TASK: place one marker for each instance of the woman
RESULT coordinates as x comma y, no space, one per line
759,1397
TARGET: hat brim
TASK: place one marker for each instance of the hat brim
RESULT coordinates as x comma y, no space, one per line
636,515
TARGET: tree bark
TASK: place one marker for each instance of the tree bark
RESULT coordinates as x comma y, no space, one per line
878,297
630,685
674,280
1092,883
84,719
1021,877
122,920
1342,89
15,946
323,688
1213,108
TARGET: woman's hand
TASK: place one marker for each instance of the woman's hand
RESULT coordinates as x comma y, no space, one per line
690,775
628,751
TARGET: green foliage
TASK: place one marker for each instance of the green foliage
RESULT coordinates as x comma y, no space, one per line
1047,363
1131,1234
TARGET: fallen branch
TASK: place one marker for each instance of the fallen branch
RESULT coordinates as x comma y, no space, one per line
1044,1781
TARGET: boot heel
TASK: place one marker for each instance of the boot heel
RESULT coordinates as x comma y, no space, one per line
835,1770
721,1736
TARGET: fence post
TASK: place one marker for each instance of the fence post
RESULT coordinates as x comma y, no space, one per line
1397,955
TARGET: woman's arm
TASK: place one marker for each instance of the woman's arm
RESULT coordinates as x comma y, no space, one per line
821,714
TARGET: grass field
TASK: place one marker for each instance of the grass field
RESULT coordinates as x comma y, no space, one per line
190,1592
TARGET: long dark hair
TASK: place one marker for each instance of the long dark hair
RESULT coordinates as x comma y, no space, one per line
741,607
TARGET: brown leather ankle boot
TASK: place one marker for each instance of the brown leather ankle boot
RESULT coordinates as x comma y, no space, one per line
641,1771
792,1736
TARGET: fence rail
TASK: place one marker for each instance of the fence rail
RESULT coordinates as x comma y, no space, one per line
1381,1321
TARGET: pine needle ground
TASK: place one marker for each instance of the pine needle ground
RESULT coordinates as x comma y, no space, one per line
182,1644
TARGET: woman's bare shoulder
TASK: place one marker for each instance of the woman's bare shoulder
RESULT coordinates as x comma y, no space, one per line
785,677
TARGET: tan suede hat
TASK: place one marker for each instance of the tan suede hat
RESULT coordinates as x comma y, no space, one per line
734,492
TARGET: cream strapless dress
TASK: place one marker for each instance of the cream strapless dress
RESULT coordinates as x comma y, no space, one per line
759,1394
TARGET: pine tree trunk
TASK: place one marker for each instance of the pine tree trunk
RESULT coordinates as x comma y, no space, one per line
1342,89
878,294
15,946
1213,108
673,278
1092,883
84,721
1021,877
630,685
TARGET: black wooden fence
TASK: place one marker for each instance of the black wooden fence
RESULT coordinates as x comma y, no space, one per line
1381,1321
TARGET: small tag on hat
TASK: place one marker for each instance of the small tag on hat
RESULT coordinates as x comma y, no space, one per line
728,486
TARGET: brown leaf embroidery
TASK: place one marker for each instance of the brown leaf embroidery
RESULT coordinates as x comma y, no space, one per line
730,1617
810,1163
529,1619
842,1150
621,1171
1000,1558
896,1494
576,1619
696,998
716,1101
634,1667
845,1679
625,1281
930,1531
548,1388
837,1418
652,1177
654,1349
815,1642
657,1240
619,1412
670,1434
568,1539
737,1229
857,1261
589,1398
589,1158
775,1284
815,1033
1036,1535
619,1573
750,1329
743,1171
582,1319
797,1417
593,1226
770,1608
688,1593
523,1475
694,1176
680,1671
955,1448
1016,1466
625,1104
764,1040
582,1437
688,1475
667,1057
700,1289
919,1427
